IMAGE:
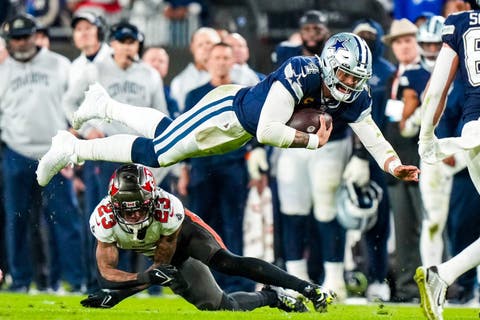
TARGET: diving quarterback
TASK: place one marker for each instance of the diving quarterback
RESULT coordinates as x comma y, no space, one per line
229,116
136,215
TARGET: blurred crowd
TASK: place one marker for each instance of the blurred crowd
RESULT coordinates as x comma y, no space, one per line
294,212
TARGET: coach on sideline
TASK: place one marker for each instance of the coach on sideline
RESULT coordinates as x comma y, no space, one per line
33,82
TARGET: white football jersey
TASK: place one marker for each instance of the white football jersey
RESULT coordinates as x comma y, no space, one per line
167,218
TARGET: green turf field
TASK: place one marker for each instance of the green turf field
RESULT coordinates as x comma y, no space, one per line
27,307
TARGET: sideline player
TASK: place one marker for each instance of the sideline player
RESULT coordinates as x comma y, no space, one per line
227,117
136,215
460,35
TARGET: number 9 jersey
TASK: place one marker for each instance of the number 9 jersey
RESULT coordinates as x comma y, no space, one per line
168,216
462,33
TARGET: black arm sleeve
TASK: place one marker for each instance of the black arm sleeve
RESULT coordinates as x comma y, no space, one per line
142,279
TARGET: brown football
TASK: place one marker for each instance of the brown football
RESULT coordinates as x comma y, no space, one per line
308,120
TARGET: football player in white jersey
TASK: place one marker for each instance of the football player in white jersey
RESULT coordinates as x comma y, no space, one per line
136,215
229,116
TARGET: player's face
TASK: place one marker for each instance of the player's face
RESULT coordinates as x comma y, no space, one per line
240,48
85,35
431,49
134,216
405,49
348,81
201,45
220,62
158,59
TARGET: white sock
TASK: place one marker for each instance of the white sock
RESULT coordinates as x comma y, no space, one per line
298,268
334,272
431,247
469,258
116,148
143,120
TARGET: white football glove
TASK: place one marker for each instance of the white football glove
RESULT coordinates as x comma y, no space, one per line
412,124
257,162
357,171
428,150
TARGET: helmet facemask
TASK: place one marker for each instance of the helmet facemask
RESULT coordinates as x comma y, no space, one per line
134,215
429,38
346,64
132,195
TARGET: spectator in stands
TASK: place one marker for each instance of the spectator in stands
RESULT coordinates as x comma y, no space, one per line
31,114
3,50
195,74
241,71
43,37
410,9
111,10
158,59
405,197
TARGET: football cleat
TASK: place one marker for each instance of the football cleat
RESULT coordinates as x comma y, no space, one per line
93,107
432,292
60,154
319,296
286,302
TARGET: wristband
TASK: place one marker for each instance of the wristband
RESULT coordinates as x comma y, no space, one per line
393,165
312,141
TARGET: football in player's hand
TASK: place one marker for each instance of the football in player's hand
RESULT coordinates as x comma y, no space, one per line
308,120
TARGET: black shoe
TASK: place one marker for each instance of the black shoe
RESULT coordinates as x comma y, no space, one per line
285,301
319,296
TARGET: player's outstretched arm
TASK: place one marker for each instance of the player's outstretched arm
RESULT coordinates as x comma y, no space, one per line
382,151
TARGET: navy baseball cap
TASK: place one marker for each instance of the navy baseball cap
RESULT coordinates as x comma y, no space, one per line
312,17
20,25
125,30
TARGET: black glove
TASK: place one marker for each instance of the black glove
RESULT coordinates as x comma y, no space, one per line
102,299
162,275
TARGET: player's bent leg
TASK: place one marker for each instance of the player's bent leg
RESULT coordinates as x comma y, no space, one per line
264,272
199,287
